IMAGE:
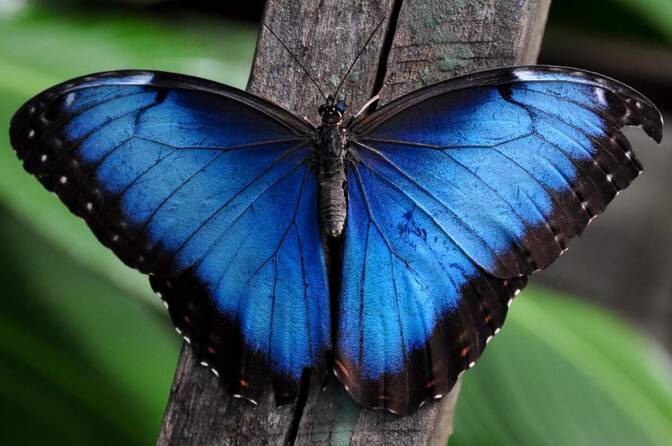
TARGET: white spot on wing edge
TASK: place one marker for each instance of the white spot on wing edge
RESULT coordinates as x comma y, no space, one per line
525,75
550,74
133,79
601,96
69,99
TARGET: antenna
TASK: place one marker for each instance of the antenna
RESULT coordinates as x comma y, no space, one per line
297,61
357,57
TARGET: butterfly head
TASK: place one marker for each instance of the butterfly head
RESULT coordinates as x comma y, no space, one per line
332,111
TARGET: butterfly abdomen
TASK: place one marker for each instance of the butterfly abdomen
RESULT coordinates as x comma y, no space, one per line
333,207
331,177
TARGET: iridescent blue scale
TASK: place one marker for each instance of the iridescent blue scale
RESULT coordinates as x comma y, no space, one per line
455,194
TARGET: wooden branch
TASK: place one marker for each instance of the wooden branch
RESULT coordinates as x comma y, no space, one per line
420,42
438,39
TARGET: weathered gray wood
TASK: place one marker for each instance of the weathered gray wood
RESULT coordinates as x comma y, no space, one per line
332,418
200,412
438,39
325,36
433,40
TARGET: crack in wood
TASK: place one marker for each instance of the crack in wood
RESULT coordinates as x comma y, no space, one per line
381,72
301,400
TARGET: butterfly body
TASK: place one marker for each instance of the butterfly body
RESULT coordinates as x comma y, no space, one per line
331,144
445,200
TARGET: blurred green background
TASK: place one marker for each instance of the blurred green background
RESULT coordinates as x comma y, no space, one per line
87,353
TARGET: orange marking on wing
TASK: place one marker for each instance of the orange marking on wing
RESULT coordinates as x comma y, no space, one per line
342,368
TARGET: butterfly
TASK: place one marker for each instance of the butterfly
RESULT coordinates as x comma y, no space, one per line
436,207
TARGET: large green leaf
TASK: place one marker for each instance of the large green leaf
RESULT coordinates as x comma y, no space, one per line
565,373
39,49
82,362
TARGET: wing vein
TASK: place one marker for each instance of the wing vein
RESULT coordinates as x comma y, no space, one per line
237,194
419,186
515,238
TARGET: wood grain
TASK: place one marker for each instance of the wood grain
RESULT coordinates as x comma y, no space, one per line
420,42
436,40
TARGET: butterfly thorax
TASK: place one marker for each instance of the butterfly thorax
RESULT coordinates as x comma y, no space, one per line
331,142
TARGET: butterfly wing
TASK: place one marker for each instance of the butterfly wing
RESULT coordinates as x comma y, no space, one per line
414,310
207,189
461,190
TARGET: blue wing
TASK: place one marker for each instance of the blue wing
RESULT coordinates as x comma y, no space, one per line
207,189
461,190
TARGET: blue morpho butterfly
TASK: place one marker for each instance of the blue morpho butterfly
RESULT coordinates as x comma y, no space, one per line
438,205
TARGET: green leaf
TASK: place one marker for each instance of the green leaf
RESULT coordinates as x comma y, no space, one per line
82,362
647,21
39,49
657,12
565,373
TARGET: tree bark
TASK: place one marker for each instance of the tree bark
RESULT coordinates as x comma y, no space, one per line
420,42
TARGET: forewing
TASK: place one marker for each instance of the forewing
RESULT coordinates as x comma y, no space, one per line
513,163
207,189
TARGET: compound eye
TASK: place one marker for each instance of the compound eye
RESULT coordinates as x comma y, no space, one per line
320,110
340,106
